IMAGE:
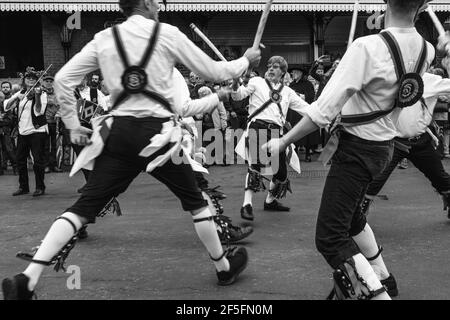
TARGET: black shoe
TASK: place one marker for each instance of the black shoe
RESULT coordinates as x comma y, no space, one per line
247,212
82,233
57,170
38,192
275,206
390,285
20,192
308,159
17,288
228,233
238,258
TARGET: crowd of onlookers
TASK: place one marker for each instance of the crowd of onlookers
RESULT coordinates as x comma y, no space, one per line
31,131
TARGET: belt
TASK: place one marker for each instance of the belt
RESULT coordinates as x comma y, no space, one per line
266,124
413,139
350,137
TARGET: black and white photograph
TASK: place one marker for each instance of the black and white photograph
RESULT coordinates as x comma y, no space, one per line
226,158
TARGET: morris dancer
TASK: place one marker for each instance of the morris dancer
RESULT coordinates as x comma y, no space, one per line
269,103
140,80
366,89
419,147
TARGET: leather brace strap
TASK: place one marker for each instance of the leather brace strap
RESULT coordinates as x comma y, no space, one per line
380,250
220,258
203,219
400,70
75,230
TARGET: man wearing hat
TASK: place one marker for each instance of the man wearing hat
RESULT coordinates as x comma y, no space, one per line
31,102
52,116
305,89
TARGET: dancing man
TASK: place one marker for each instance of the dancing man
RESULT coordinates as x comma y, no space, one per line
136,59
269,104
368,84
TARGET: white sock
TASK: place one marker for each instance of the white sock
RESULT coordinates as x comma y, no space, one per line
57,237
270,197
366,271
207,233
368,246
248,194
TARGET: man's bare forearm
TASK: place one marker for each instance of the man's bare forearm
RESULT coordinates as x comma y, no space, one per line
301,129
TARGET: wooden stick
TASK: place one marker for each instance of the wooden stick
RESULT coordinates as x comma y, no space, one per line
438,25
207,41
259,34
262,24
351,36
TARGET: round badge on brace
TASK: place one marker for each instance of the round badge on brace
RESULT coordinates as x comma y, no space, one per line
411,90
134,79
275,97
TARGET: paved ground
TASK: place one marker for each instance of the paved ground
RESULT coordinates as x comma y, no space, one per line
152,252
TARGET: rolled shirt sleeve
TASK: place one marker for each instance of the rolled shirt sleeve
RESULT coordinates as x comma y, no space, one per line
297,104
69,77
350,76
243,92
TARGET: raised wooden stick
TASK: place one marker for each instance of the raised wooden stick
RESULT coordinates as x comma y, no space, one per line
207,41
351,36
262,24
259,34
438,25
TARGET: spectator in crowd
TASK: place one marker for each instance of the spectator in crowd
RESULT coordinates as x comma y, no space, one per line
216,120
193,85
287,79
7,123
305,89
33,131
321,75
52,116
92,92
238,111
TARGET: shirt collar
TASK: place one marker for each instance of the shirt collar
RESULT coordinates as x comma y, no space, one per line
401,30
137,18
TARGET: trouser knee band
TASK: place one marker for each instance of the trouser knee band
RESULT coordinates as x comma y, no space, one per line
210,218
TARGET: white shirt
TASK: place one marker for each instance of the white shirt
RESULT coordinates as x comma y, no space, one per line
365,81
414,120
172,46
259,93
26,126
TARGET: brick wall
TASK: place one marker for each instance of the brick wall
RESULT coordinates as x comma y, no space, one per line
91,23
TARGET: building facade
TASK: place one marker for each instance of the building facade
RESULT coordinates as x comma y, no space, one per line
36,33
